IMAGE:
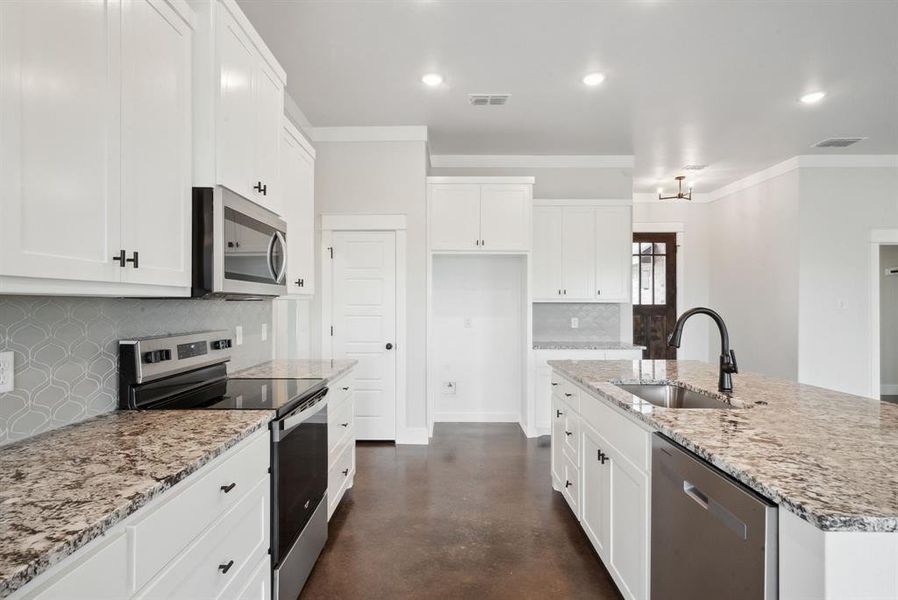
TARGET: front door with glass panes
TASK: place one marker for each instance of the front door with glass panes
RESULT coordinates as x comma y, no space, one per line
654,292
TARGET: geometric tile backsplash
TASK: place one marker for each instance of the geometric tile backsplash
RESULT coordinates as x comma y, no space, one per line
66,350
598,322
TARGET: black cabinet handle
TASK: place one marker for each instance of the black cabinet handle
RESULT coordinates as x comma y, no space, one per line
476,242
344,424
559,291
300,282
558,413
226,567
120,258
482,242
345,472
598,292
346,389
134,260
568,433
228,488
568,394
262,189
389,346
565,292
568,484
601,457
554,383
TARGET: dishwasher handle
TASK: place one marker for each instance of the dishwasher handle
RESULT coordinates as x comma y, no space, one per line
696,494
716,510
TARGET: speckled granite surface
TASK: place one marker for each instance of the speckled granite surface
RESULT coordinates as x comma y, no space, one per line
297,369
585,346
826,456
62,489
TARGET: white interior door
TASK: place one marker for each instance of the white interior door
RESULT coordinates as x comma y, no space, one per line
364,322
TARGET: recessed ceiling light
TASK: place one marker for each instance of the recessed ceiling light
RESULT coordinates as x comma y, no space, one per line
593,79
813,97
432,79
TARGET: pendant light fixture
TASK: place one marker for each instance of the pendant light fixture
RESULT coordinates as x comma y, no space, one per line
680,195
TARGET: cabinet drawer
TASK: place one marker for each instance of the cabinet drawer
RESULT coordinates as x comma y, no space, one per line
339,475
571,394
165,531
570,485
556,384
258,584
239,539
571,443
101,575
340,390
629,439
339,426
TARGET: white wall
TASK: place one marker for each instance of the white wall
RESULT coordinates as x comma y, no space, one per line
385,178
694,259
888,324
560,182
478,337
754,243
839,208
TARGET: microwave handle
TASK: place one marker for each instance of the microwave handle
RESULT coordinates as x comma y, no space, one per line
283,242
270,256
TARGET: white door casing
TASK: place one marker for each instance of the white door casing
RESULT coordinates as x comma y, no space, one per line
364,324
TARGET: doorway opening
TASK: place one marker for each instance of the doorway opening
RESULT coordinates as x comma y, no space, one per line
888,322
654,292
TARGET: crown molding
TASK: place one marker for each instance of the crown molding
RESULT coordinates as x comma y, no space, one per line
401,133
807,161
532,161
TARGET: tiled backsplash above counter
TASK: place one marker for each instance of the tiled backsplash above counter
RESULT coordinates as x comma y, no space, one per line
66,350
597,322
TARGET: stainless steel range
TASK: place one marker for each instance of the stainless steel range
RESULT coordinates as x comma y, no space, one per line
188,371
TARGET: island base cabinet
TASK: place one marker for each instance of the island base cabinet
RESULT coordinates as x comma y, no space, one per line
607,486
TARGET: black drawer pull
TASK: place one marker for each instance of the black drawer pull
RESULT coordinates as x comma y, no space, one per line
345,472
554,383
344,424
568,394
346,389
558,413
228,488
226,567
568,484
568,433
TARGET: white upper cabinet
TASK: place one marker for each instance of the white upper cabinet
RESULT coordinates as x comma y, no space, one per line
298,180
95,147
238,106
581,251
487,214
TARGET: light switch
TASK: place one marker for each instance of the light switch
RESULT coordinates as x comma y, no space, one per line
264,331
7,372
238,335
575,322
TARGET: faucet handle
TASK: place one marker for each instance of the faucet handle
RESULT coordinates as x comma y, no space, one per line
733,367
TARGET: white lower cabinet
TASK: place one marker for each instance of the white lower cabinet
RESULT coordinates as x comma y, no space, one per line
206,539
608,486
340,441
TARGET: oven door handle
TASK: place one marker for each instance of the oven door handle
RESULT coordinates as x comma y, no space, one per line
269,257
283,426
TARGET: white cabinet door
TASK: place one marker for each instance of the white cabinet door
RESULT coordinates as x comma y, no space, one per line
547,255
298,185
269,105
99,574
557,441
155,147
614,233
59,146
505,217
455,217
629,558
236,143
577,240
596,508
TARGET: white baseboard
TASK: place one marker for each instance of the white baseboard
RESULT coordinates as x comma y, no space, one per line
535,431
477,417
413,435
889,389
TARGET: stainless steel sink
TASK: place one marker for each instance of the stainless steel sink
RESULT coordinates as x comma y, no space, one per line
672,396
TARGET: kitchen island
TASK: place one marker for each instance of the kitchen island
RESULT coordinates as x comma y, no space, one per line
826,458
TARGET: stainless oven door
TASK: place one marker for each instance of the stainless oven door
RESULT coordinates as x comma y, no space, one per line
251,247
299,471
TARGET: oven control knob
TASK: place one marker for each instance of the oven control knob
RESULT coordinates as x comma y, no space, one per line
156,356
221,344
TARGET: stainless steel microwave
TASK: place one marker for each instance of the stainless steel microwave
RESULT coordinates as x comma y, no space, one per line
239,248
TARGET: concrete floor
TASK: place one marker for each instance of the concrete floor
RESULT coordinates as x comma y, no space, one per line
472,515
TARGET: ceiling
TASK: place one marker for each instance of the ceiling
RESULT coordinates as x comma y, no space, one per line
706,82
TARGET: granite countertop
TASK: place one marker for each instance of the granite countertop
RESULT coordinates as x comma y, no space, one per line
826,456
297,369
585,346
63,488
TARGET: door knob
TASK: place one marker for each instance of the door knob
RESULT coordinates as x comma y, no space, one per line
389,346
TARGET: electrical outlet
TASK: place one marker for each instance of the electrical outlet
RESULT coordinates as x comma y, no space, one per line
575,322
448,388
264,331
7,372
238,335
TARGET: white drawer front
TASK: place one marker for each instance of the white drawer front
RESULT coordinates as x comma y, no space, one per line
339,426
100,575
339,475
571,444
165,531
258,586
571,394
340,390
632,441
570,485
202,571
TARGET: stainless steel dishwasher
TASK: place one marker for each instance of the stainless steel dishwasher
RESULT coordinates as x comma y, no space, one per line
711,536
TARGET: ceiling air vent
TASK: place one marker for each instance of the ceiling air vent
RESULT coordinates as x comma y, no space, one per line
488,99
838,142
694,167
